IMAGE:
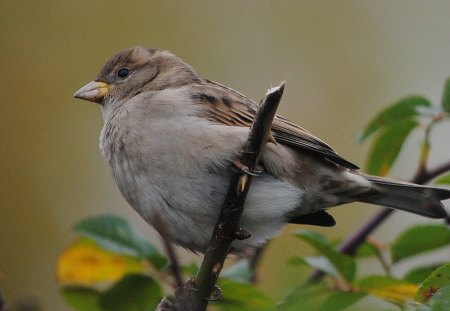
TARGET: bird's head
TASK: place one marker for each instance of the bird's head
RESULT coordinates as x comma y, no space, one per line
135,70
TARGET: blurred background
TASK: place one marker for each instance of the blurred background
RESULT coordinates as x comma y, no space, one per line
343,62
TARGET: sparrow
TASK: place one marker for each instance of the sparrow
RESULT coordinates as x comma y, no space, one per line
170,138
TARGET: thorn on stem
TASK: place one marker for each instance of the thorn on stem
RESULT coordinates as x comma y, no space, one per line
216,294
243,180
272,139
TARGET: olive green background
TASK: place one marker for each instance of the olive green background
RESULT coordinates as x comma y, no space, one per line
343,61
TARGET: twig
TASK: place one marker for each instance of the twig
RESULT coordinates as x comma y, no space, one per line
227,227
431,174
160,226
254,262
354,241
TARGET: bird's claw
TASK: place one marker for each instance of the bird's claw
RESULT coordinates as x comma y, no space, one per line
190,284
240,167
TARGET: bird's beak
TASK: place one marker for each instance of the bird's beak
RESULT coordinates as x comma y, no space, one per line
93,91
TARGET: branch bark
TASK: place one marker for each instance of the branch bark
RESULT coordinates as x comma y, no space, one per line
227,227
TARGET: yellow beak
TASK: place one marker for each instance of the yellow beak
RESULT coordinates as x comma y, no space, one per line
93,91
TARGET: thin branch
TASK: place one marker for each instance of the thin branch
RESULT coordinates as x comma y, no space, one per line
431,174
354,241
227,227
161,227
254,262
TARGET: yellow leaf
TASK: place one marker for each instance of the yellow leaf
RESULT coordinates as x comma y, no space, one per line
396,293
84,262
388,288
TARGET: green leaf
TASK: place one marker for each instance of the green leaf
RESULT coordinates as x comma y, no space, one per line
438,279
297,261
242,297
388,288
366,250
323,264
344,264
443,180
134,292
405,109
446,96
418,275
341,300
190,269
116,235
419,239
239,272
441,300
304,297
386,147
81,298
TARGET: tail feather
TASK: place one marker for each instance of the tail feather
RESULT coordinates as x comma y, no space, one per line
417,199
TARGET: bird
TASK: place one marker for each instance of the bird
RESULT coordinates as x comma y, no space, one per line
171,137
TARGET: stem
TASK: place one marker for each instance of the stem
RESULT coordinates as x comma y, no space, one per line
227,227
254,262
161,227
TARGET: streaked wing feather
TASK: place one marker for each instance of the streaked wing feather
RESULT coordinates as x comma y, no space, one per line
290,134
226,106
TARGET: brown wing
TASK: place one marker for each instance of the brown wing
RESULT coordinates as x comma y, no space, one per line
226,106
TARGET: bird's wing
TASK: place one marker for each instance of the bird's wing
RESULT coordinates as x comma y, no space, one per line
228,107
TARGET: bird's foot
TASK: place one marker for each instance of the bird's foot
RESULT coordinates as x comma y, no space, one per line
240,167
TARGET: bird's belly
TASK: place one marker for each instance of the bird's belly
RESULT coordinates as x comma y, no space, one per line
183,179
189,202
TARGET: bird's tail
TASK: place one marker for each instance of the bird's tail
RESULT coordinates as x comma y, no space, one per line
417,199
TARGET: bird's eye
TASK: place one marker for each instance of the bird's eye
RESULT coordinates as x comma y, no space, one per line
123,73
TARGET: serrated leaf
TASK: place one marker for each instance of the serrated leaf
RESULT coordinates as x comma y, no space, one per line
419,239
418,275
116,235
438,279
446,96
386,147
405,109
388,288
443,180
441,300
239,272
134,292
84,262
341,300
242,297
345,265
81,298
